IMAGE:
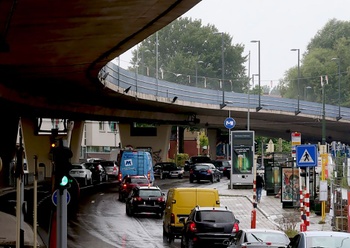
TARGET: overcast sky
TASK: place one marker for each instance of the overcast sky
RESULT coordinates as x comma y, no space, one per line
280,25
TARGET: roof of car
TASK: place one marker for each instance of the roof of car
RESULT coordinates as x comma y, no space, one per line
148,187
325,233
212,208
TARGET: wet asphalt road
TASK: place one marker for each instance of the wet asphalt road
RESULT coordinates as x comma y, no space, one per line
102,222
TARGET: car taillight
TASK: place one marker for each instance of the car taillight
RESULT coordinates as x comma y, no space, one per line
161,199
192,227
124,185
235,228
119,177
149,176
225,169
209,171
191,171
172,219
114,168
137,198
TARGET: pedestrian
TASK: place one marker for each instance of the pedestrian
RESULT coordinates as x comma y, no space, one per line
259,186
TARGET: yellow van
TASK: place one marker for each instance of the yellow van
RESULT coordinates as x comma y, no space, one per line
180,202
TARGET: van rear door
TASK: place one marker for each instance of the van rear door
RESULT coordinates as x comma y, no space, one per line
207,198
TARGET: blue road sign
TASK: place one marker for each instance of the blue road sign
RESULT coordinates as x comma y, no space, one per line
229,123
54,197
306,156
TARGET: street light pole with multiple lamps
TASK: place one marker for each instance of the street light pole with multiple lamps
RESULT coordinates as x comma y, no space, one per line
259,106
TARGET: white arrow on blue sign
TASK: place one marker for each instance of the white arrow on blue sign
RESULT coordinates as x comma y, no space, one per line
54,197
229,123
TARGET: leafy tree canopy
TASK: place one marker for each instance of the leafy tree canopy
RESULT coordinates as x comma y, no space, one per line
190,53
328,53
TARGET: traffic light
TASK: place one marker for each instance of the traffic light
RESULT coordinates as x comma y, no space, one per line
61,157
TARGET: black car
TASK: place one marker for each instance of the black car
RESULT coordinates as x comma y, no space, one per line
99,173
204,171
224,166
208,226
194,160
145,199
167,170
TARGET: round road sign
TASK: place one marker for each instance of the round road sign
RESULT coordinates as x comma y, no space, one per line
229,123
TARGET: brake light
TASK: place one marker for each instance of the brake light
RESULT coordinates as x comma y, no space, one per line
137,198
114,168
235,228
209,171
124,185
192,227
161,199
172,219
268,243
149,176
120,177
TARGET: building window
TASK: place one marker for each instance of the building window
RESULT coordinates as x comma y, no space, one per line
101,125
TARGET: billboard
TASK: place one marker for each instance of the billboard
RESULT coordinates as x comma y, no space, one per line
242,160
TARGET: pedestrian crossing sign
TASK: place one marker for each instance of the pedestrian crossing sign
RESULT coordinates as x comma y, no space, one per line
306,156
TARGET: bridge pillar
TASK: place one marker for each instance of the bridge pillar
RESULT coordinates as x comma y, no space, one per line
213,139
76,138
157,138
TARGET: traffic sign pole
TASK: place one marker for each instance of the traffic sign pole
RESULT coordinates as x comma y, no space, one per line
62,218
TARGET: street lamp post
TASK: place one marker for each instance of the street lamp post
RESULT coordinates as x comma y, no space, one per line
323,112
222,105
338,62
157,76
197,62
259,106
305,92
248,114
298,109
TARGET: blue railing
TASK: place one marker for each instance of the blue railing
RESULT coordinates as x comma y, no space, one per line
160,88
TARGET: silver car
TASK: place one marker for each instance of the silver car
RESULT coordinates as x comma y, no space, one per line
260,238
81,173
324,239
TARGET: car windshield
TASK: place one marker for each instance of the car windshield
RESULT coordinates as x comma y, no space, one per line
150,193
328,242
139,180
266,237
107,164
215,216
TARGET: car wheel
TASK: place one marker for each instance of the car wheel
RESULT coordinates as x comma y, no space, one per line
218,178
191,180
85,181
165,236
212,179
180,176
190,244
183,241
90,181
160,215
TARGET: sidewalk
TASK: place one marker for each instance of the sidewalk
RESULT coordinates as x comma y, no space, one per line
269,208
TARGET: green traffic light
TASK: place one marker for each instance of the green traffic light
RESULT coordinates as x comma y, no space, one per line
64,181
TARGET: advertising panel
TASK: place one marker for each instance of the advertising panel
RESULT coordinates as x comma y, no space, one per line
242,160
290,184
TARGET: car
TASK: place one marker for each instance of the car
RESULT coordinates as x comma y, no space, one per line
255,238
129,182
167,170
145,199
99,173
81,173
320,239
204,171
111,168
208,226
223,166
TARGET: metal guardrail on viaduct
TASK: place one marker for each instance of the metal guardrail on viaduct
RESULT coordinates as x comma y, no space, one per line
156,87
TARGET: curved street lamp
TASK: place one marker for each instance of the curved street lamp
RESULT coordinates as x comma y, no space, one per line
259,106
338,62
298,109
223,104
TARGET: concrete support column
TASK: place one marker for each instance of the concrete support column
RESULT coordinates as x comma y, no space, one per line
76,138
213,138
158,142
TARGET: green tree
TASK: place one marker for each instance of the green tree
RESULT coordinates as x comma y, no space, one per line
332,41
186,46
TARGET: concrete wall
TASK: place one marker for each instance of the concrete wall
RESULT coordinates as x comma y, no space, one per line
156,143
